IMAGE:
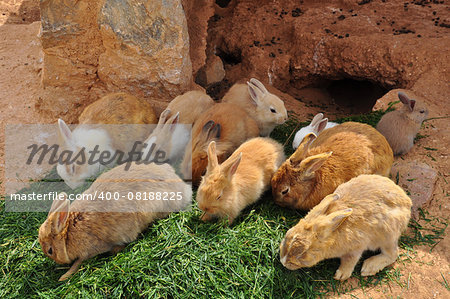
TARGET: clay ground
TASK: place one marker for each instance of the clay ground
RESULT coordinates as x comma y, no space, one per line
420,276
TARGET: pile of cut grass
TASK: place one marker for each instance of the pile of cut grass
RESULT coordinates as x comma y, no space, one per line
180,256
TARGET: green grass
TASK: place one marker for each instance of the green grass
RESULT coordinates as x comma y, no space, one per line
180,256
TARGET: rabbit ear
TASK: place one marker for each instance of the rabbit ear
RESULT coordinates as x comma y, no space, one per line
411,105
258,84
171,123
231,166
57,203
302,149
318,117
406,100
175,119
212,156
210,132
65,133
337,218
60,214
214,132
162,118
322,207
318,128
311,164
207,127
255,93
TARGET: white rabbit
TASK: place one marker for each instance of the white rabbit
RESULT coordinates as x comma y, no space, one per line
106,125
169,136
317,125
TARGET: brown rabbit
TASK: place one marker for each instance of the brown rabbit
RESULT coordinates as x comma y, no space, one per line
91,225
368,212
190,105
266,108
118,108
337,155
400,127
227,188
228,125
106,124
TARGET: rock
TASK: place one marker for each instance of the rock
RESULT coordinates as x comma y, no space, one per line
71,44
391,97
417,179
95,47
198,13
214,70
146,47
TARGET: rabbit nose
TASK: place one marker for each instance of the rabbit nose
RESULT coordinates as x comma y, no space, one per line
282,120
203,207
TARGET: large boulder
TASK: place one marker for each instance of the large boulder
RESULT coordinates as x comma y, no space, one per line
146,47
94,47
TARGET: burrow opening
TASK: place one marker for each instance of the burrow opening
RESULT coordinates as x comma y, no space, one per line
229,57
348,96
223,3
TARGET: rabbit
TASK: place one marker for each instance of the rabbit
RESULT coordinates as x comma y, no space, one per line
317,125
117,109
369,212
227,124
169,136
400,127
337,155
266,108
88,227
190,105
227,188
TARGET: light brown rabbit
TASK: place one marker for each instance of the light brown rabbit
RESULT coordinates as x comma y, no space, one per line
228,125
227,188
337,155
103,123
95,224
266,108
400,127
118,108
190,105
368,212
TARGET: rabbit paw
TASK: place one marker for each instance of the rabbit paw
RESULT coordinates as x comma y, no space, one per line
371,266
342,274
72,269
64,277
206,217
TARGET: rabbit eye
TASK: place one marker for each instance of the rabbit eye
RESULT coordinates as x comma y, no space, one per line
285,191
422,111
273,110
220,195
50,251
